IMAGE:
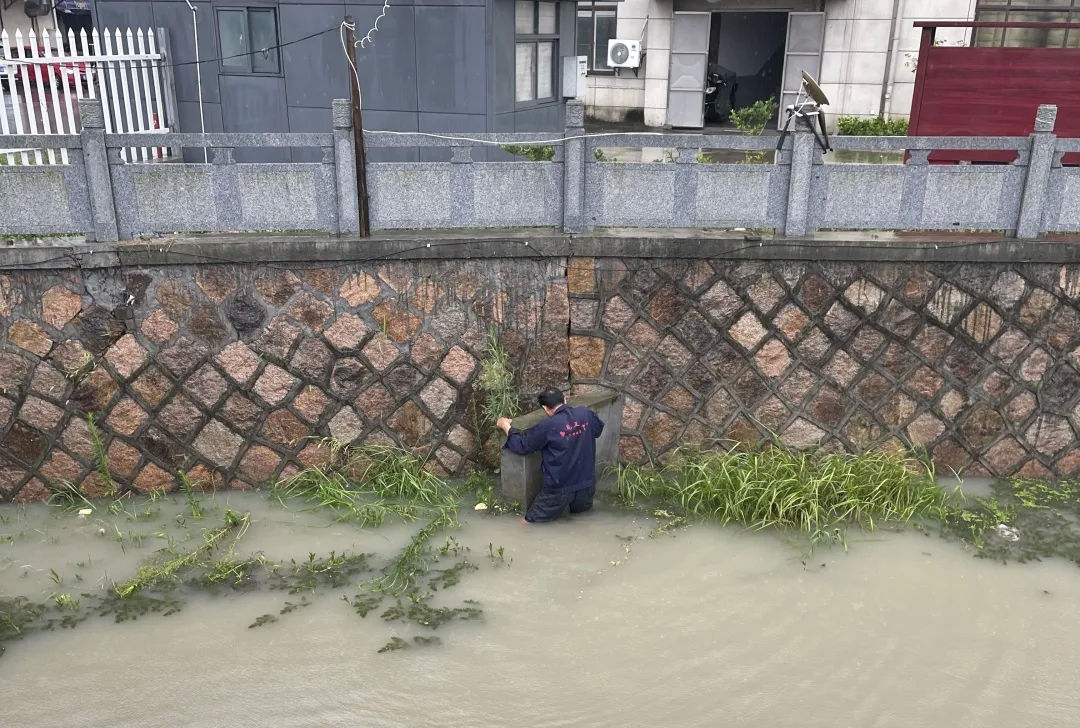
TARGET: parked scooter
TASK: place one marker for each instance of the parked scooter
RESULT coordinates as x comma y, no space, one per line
720,86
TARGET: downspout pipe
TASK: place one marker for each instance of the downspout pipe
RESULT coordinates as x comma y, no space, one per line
198,72
885,80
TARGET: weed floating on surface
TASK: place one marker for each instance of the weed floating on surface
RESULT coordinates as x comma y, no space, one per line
367,487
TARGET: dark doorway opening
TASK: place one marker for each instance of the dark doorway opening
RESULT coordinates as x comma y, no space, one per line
750,48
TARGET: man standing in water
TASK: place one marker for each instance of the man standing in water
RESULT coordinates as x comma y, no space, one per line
567,444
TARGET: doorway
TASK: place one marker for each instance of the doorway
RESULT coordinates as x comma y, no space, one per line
746,50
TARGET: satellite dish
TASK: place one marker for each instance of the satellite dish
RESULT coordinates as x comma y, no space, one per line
806,109
813,90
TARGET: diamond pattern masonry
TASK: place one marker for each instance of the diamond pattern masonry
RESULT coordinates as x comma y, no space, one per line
227,372
974,362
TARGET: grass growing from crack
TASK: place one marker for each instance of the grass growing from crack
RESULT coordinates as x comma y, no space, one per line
101,455
502,398
369,485
193,504
813,493
67,496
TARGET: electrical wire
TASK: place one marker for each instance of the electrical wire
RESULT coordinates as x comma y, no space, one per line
348,57
369,36
537,142
364,42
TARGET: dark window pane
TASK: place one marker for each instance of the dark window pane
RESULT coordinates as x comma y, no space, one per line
584,33
263,35
989,37
605,31
232,30
1035,37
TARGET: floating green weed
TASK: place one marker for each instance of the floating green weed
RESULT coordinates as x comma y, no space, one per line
401,575
395,643
66,601
446,578
152,574
334,571
420,611
264,619
1022,520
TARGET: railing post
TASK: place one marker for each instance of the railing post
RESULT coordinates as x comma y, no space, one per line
348,208
1041,159
96,167
574,170
797,221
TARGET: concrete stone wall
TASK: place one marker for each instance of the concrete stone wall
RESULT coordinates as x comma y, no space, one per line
978,363
225,370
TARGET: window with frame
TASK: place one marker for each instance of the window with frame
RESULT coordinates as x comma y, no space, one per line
536,36
1052,11
595,27
248,40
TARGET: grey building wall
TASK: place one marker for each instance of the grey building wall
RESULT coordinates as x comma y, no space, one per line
434,66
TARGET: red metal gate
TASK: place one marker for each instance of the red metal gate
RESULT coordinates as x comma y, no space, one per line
969,91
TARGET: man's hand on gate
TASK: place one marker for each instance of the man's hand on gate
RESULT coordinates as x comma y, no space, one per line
504,424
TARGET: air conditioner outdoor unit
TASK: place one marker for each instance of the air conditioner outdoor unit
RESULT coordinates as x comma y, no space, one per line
34,8
624,53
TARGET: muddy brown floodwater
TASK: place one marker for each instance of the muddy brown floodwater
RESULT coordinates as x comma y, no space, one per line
587,622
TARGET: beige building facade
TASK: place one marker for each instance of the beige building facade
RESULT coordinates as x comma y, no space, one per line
863,52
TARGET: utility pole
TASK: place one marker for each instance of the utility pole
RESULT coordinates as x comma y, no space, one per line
358,128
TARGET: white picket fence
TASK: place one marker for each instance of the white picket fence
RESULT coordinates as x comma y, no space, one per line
46,78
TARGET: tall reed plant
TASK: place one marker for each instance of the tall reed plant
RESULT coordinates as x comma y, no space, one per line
502,398
813,493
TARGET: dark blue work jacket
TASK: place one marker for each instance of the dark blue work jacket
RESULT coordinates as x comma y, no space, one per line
567,445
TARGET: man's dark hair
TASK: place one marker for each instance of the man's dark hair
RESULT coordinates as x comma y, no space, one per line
550,397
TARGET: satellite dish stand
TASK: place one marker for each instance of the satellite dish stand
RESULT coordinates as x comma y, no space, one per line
807,110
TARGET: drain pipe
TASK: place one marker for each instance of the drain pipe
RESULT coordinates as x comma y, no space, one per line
886,79
198,72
